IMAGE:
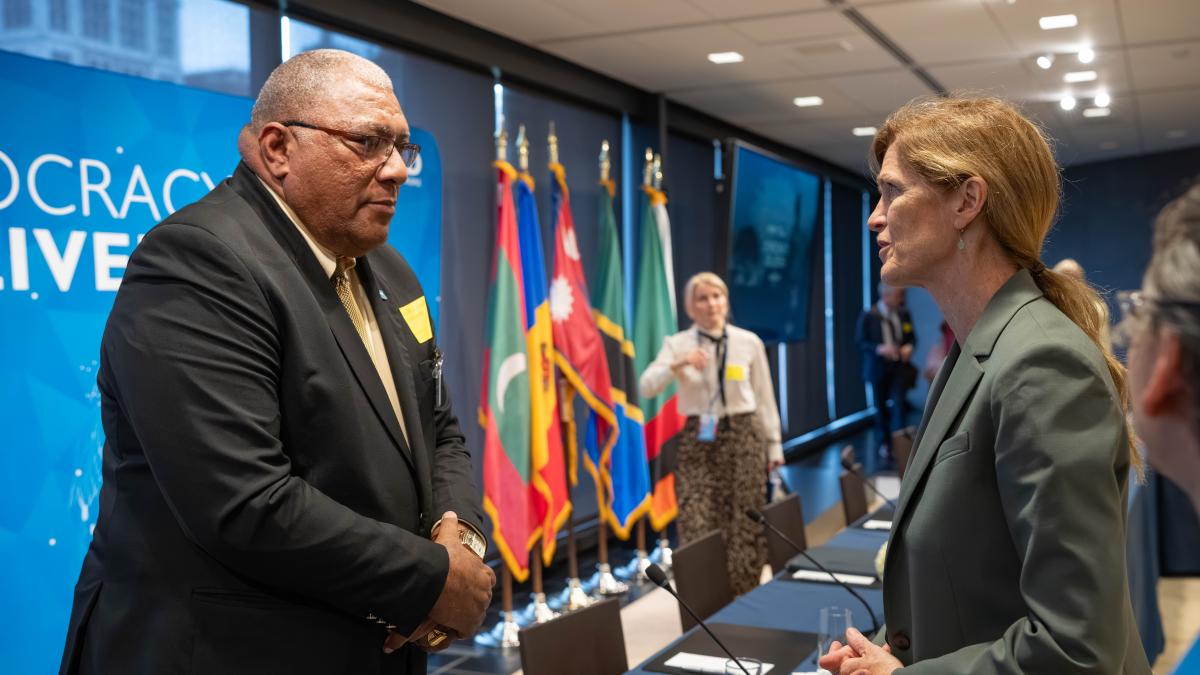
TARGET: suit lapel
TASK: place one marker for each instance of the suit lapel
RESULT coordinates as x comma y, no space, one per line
350,344
385,302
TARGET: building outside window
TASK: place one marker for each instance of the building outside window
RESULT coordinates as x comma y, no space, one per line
59,19
167,28
97,22
132,26
18,13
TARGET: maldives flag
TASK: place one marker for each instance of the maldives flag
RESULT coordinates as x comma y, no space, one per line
654,320
552,501
504,400
578,348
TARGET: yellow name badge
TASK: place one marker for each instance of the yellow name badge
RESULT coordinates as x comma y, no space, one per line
416,315
735,373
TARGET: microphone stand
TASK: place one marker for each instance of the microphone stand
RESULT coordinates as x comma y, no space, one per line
758,517
863,479
659,577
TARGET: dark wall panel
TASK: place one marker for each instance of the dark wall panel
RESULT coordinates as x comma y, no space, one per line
847,278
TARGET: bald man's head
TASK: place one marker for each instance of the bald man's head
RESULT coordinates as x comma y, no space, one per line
1070,267
308,80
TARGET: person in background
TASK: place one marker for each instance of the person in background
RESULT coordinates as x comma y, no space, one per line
886,338
732,437
1160,327
1007,549
1071,267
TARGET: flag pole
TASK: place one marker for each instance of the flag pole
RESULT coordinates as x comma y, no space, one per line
664,554
573,597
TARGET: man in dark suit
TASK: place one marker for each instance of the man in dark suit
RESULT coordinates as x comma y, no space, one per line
279,439
886,339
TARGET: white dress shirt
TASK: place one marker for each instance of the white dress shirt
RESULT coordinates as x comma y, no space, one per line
747,380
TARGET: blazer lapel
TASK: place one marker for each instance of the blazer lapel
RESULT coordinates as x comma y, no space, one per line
957,380
350,344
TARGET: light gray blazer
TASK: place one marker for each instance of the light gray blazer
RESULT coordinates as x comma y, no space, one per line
1007,552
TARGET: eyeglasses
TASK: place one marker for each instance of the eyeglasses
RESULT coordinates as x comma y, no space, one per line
374,148
1136,306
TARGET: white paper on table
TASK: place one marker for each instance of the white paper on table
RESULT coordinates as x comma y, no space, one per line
874,524
818,575
698,663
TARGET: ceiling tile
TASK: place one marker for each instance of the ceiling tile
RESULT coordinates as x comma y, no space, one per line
796,27
1165,66
724,9
1009,78
772,101
881,92
1159,20
613,16
941,31
1165,114
1098,24
511,18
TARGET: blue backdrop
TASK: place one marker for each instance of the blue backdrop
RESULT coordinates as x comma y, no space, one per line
89,161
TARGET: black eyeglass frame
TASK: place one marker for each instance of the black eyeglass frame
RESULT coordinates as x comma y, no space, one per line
1132,305
408,151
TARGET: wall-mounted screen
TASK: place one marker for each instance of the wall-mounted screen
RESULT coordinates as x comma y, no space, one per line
774,211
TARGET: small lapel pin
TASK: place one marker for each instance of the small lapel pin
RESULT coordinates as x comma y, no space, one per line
382,295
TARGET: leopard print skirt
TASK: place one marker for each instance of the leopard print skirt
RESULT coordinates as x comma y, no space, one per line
716,482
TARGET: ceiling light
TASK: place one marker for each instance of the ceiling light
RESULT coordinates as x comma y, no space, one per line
864,131
1177,133
1045,61
1086,55
807,101
1059,21
1103,99
1080,76
1096,112
726,57
1067,102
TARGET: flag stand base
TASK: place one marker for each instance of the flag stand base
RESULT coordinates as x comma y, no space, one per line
665,555
606,584
572,597
505,635
537,611
635,571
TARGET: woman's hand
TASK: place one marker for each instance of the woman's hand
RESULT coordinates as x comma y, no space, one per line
697,358
860,656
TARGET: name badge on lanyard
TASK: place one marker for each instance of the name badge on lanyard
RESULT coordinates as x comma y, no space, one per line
708,428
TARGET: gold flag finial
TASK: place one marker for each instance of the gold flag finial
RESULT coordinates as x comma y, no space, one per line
605,163
501,143
522,149
648,168
657,171
553,140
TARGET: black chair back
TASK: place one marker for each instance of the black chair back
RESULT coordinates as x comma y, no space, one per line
788,516
701,569
854,494
588,641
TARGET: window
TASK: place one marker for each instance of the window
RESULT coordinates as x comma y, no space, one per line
166,30
18,13
58,15
132,26
97,23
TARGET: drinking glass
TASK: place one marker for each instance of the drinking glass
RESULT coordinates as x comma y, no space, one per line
833,624
752,666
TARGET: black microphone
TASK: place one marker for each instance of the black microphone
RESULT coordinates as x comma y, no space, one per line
659,577
758,517
849,466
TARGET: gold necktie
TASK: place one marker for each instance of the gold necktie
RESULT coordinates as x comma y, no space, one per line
341,284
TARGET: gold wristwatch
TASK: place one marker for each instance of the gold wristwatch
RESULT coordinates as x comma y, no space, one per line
475,543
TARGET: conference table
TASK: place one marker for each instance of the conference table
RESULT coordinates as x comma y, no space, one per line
785,604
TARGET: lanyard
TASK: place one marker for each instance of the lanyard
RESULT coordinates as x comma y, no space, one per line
722,349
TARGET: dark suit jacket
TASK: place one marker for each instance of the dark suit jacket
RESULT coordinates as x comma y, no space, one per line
869,335
1007,552
261,511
